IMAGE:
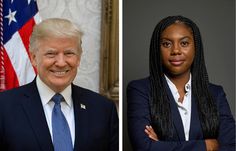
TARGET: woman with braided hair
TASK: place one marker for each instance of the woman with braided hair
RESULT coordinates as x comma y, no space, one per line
176,108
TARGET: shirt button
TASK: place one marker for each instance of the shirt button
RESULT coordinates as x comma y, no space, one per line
187,87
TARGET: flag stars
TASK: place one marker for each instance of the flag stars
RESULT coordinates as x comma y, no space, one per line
11,16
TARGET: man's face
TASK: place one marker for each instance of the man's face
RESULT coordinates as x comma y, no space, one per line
56,61
177,49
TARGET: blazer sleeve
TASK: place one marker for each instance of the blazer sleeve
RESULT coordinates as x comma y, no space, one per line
227,123
139,116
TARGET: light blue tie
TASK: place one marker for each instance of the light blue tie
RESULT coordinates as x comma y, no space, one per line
60,129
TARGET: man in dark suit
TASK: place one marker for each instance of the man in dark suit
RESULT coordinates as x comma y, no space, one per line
51,113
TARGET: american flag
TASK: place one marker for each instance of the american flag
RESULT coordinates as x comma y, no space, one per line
17,20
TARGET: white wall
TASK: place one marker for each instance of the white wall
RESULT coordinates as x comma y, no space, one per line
87,15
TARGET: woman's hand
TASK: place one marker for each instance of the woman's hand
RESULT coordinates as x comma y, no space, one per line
150,132
212,145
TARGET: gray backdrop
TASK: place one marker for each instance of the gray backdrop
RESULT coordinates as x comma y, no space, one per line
216,20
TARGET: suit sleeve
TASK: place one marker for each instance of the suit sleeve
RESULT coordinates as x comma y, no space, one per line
139,116
114,129
227,123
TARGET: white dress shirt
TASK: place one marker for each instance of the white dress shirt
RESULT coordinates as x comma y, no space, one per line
46,95
184,107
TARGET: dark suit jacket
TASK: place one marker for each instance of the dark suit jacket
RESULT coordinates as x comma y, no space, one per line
23,125
138,93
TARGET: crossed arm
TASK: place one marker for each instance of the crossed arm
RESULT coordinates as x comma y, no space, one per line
211,144
143,137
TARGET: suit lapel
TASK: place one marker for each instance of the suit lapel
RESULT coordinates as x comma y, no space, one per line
34,111
195,126
81,118
177,121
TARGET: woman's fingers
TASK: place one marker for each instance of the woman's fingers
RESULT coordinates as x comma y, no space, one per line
151,133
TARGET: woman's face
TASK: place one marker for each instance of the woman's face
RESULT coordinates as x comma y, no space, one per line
177,49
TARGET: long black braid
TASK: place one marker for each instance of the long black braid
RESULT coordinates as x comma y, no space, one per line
159,100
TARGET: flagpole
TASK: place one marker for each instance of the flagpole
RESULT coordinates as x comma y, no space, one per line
2,68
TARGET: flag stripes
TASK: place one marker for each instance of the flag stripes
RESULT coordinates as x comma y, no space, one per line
18,19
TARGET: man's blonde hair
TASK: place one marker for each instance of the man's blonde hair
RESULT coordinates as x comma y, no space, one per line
54,28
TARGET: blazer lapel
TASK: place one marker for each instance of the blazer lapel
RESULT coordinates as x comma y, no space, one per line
81,119
177,121
195,126
34,111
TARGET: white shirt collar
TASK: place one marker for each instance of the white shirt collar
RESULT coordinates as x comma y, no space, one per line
174,90
46,93
184,107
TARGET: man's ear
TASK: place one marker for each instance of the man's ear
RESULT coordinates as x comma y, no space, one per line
33,58
78,63
79,59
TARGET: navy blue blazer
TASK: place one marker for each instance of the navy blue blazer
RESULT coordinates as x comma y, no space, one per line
23,125
138,111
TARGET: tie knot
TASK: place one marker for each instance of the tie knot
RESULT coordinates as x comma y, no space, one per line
57,98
